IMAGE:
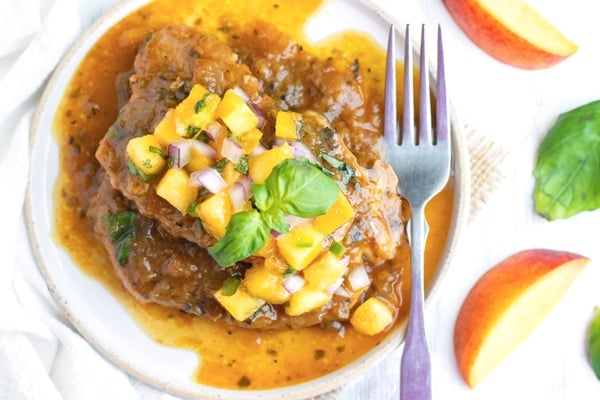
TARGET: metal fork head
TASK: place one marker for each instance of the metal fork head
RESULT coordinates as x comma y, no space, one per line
420,157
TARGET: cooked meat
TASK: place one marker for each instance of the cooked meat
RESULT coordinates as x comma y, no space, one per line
174,272
167,262
166,67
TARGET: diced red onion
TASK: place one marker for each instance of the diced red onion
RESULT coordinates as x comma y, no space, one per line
275,234
343,292
179,153
293,283
300,150
237,194
258,150
203,148
358,278
334,286
208,178
246,182
232,150
213,131
262,119
293,220
260,114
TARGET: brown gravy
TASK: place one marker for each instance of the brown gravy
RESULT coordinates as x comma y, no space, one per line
230,357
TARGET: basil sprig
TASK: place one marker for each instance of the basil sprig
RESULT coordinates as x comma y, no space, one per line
294,187
594,344
568,164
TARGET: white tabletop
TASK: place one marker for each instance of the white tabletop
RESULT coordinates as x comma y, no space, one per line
515,108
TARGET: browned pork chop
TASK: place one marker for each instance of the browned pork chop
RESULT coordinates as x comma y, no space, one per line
167,263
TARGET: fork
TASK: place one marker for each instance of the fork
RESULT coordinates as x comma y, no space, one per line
421,160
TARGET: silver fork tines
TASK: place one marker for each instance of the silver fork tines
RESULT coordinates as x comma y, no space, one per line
421,161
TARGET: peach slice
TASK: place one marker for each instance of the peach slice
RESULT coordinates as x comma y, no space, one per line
511,31
506,304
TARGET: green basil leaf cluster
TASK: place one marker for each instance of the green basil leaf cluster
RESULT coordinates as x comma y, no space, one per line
294,187
568,164
594,344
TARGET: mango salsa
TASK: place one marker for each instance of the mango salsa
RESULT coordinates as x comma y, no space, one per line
306,299
288,124
146,153
241,305
236,114
340,212
300,246
260,166
174,187
215,213
372,317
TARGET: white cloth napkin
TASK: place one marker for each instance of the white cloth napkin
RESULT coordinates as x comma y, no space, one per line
41,356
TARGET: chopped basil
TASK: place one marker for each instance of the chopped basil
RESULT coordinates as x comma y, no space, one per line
121,230
242,165
191,209
200,104
337,249
289,271
159,151
230,286
135,170
219,165
294,187
346,170
191,130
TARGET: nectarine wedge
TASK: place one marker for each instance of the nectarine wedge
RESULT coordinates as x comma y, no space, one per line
506,304
511,31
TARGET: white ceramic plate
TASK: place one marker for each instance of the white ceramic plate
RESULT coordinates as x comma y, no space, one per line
97,314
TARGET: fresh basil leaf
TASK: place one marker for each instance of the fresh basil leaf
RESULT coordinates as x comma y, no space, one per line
594,344
299,188
568,164
260,194
275,219
246,234
121,231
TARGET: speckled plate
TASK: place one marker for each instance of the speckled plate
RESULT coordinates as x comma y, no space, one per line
97,314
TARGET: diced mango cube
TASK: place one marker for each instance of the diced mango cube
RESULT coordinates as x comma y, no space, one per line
266,282
165,131
325,270
230,174
174,187
146,153
260,166
306,299
372,317
215,213
197,110
241,305
236,114
338,214
300,246
288,125
198,161
268,249
250,140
